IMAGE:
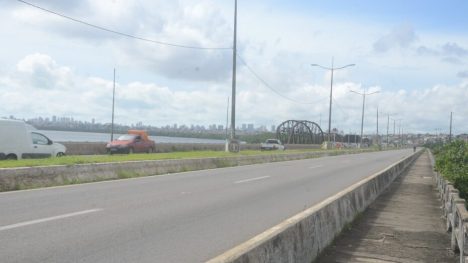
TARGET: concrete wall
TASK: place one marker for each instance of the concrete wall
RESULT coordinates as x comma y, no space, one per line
29,177
302,237
91,148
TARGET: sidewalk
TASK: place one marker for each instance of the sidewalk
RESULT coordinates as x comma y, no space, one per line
403,225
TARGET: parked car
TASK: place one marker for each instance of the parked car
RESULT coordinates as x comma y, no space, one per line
136,141
19,140
272,144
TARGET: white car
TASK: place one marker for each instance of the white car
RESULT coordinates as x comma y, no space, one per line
272,144
19,140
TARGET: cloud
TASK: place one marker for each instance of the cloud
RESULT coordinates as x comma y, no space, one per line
42,72
449,52
453,49
191,24
452,60
463,74
86,97
401,36
67,65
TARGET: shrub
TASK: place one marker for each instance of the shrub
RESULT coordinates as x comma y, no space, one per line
452,163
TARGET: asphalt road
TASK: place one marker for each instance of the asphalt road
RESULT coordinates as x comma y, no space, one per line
185,217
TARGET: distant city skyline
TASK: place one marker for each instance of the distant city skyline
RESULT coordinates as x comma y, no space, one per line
71,122
76,123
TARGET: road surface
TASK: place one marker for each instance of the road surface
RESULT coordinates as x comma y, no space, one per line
185,217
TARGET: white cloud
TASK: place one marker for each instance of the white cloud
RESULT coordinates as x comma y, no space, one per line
463,74
67,65
84,98
401,36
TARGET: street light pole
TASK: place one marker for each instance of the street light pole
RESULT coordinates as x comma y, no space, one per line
113,102
450,133
388,122
331,96
399,131
227,126
378,141
332,69
363,94
234,54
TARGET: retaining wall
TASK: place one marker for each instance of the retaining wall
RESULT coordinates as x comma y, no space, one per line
302,237
41,176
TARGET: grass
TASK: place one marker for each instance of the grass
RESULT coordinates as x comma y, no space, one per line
88,159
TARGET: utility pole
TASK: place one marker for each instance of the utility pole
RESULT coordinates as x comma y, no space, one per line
363,94
388,122
450,134
331,90
113,102
234,56
227,125
378,141
399,131
233,144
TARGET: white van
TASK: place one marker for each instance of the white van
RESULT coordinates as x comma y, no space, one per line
19,140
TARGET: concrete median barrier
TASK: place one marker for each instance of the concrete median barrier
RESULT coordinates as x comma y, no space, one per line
43,176
302,237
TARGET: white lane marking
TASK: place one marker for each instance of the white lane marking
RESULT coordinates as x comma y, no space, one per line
317,166
37,221
251,179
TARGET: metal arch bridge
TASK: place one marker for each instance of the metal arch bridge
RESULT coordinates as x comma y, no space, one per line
299,132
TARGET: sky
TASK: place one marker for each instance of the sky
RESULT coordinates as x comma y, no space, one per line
413,53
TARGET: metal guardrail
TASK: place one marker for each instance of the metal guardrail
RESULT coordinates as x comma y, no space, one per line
455,214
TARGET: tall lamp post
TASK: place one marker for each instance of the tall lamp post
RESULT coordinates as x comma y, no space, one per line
331,89
394,124
233,146
113,102
363,94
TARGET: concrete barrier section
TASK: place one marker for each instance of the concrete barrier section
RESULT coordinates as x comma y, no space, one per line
302,237
42,176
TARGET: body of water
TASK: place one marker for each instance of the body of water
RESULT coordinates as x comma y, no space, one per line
69,136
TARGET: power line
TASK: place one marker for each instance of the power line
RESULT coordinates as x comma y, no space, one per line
120,33
268,85
341,109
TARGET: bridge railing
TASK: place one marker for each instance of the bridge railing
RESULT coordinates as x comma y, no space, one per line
456,216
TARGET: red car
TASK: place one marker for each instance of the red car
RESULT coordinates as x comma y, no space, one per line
133,142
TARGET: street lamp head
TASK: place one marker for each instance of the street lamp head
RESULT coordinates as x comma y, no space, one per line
346,66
